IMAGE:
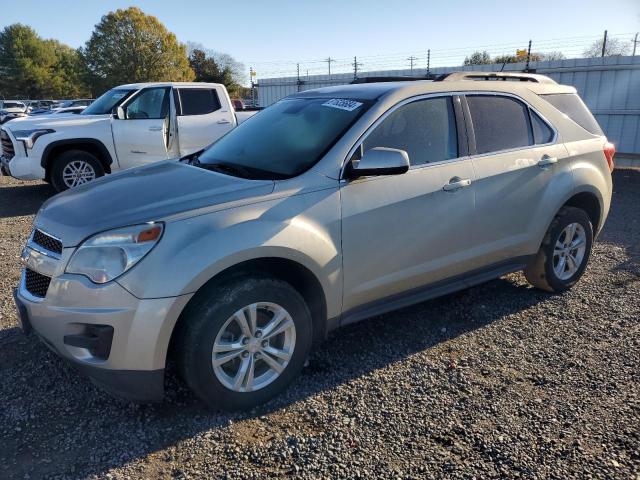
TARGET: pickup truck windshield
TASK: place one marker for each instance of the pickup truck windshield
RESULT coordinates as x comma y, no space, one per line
105,103
285,139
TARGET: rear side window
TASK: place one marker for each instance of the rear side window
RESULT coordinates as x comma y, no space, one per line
425,129
198,101
542,132
573,107
499,123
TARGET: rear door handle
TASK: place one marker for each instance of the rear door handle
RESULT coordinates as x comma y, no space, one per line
223,122
456,183
155,129
547,160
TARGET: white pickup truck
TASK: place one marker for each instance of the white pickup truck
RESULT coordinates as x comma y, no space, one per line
128,126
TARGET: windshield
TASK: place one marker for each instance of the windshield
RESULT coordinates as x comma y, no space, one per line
105,103
285,139
12,105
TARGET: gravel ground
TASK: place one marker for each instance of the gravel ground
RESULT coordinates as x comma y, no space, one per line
497,381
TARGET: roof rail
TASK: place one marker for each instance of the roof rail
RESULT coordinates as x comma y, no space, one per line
503,76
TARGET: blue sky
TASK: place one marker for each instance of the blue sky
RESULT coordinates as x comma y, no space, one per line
272,35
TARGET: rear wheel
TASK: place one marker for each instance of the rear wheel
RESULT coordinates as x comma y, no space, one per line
244,342
73,168
564,253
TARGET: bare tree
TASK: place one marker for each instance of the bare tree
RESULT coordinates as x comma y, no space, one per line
614,46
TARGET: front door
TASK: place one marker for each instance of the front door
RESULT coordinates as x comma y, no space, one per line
405,231
143,135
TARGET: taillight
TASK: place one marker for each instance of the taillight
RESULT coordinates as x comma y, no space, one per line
609,150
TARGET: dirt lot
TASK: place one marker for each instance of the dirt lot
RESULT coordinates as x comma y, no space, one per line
497,381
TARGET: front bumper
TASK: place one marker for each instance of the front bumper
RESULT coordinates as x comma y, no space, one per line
141,330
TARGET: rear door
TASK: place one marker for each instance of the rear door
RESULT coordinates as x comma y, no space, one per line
516,157
203,116
404,231
142,136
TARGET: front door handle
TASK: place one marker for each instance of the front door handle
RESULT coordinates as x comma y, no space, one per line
547,160
223,122
155,129
456,183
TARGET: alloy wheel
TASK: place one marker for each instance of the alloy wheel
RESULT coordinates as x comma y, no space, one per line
253,347
77,172
569,251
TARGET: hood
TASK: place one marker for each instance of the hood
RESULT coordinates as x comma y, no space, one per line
55,122
139,195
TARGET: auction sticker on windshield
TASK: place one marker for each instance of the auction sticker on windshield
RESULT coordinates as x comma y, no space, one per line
342,104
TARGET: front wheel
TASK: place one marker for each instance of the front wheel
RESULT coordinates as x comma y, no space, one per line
564,253
243,343
73,168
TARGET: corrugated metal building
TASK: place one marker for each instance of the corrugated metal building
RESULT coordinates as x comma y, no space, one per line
610,86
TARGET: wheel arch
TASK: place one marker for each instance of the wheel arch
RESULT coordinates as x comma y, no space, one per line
90,145
297,275
591,203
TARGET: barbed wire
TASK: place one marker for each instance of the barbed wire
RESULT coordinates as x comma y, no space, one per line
567,47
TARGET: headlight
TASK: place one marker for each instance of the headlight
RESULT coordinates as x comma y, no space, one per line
108,255
29,137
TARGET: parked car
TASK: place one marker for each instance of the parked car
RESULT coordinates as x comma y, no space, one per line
331,206
128,126
11,109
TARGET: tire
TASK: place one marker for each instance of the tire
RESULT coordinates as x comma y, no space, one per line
546,271
85,164
209,320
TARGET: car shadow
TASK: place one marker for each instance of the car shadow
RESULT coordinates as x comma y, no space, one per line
20,199
64,410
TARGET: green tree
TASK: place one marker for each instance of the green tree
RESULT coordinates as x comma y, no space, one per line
478,58
31,67
129,46
212,66
205,68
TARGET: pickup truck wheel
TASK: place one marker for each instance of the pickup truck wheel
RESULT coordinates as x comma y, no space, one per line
243,343
564,253
73,168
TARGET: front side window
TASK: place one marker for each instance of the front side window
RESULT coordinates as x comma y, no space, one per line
285,139
499,123
425,129
198,101
152,103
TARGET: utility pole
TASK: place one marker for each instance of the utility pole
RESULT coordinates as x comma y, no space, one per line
526,69
411,60
329,60
428,61
635,44
298,75
253,94
355,67
604,43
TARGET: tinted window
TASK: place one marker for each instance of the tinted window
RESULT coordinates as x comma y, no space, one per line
198,101
542,133
287,138
499,123
572,106
151,103
425,129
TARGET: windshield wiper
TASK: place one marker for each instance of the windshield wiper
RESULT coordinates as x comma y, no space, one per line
240,171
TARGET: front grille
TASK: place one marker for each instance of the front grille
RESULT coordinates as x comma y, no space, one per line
47,241
36,284
7,145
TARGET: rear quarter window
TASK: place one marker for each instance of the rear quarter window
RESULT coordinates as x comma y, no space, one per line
572,106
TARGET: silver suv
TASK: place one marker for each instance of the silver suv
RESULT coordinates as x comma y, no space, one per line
330,206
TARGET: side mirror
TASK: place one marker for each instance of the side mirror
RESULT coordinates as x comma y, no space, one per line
380,161
120,115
